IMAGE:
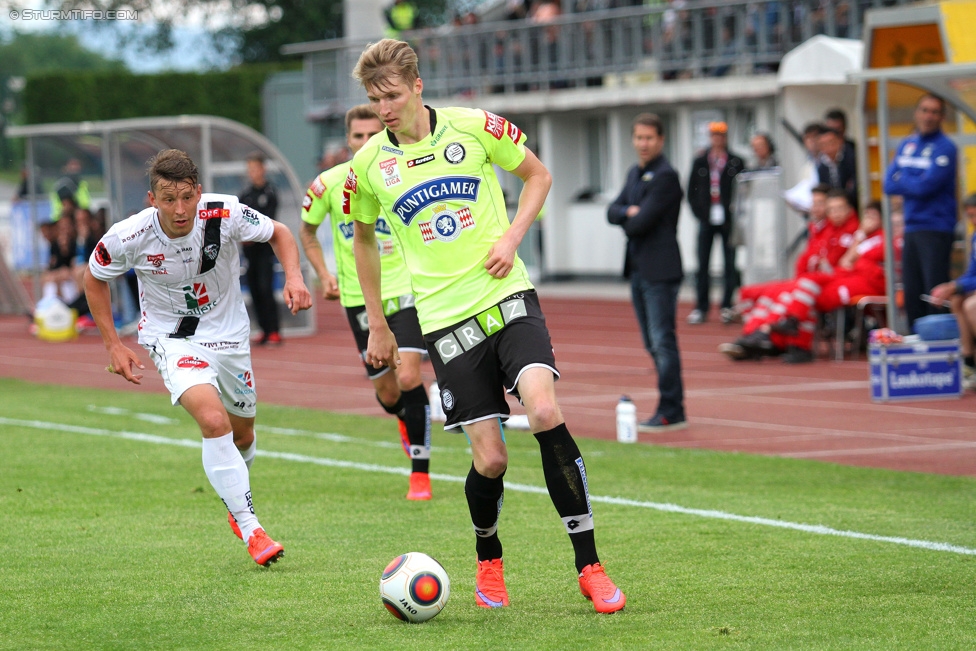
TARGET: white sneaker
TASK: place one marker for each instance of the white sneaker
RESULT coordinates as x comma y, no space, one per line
696,317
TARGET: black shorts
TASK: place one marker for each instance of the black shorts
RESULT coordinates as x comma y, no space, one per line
401,315
477,360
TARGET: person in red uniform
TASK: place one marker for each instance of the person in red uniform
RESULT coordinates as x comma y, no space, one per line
792,319
829,239
808,260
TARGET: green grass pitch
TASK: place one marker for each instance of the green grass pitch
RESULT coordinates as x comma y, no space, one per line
113,539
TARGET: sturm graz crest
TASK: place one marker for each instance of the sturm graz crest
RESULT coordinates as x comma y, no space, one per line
454,153
211,251
447,398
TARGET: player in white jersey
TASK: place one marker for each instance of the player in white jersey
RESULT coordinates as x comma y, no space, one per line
194,324
430,177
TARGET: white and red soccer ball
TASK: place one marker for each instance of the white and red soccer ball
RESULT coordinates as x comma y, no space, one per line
414,587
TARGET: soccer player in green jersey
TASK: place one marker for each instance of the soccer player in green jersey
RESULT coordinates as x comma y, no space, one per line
401,392
429,175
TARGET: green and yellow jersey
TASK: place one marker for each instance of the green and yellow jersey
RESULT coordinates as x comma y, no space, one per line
325,197
442,201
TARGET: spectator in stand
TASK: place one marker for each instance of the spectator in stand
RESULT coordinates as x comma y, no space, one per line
261,196
764,150
70,186
923,172
647,209
517,9
837,168
544,12
57,281
675,34
961,293
401,16
90,227
710,190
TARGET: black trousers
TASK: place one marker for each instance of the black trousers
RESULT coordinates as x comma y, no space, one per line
706,235
925,264
260,280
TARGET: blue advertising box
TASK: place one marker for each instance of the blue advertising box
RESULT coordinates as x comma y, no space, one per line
922,370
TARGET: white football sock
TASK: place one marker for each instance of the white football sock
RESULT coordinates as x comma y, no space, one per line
249,453
227,472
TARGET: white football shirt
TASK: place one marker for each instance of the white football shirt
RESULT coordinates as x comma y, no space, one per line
189,287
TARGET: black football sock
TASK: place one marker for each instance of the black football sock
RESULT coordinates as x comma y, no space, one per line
416,416
485,497
562,465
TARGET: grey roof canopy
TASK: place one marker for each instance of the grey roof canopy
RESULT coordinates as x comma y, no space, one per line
117,151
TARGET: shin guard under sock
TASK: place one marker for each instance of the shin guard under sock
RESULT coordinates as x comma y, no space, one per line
485,497
416,416
565,475
228,475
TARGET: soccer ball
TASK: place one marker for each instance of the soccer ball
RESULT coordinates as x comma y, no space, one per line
414,587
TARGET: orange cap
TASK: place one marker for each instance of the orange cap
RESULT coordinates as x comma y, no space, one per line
718,127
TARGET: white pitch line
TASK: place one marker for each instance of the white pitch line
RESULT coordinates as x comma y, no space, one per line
339,438
512,486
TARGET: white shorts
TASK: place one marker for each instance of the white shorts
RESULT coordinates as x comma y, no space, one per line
226,365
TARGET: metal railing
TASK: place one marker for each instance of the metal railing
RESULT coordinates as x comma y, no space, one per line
699,38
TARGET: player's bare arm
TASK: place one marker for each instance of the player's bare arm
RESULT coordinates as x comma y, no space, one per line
382,346
121,358
295,294
313,251
537,181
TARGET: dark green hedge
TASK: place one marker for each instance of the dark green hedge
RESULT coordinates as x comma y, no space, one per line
79,96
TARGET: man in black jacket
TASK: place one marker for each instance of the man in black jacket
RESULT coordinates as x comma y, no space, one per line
260,195
710,190
837,166
647,209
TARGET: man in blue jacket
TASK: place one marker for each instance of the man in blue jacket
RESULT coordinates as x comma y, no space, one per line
923,172
647,209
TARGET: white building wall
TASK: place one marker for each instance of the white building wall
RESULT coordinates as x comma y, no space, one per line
577,240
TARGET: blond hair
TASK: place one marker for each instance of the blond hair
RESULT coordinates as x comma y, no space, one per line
173,166
359,112
382,61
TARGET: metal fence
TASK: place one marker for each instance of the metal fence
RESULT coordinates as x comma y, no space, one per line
665,41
